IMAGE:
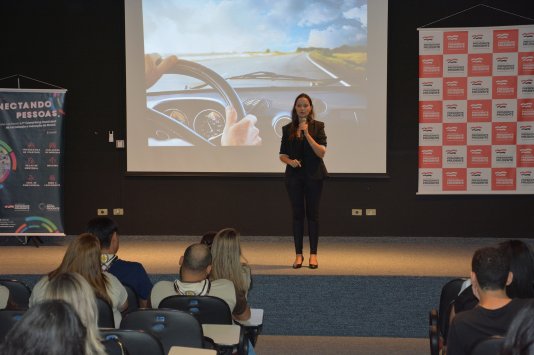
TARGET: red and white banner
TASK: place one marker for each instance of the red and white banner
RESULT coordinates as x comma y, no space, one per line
476,110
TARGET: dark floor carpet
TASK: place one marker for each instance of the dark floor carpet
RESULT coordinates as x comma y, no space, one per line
357,306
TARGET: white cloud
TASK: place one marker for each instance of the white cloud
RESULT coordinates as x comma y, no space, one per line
194,27
316,14
333,37
225,26
357,13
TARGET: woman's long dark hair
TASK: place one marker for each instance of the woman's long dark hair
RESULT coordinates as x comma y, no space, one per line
522,267
295,118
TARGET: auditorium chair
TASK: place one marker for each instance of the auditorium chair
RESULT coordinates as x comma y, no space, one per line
114,346
254,325
440,317
8,318
136,342
19,294
433,317
207,310
449,292
433,335
133,300
105,314
169,326
490,346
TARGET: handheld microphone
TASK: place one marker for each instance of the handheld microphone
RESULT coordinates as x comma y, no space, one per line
302,120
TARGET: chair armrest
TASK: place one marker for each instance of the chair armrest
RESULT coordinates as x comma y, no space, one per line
223,334
181,350
255,320
253,326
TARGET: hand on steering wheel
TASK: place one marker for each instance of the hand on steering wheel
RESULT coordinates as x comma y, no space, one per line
243,132
155,67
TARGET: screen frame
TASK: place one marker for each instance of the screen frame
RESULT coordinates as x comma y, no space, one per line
136,99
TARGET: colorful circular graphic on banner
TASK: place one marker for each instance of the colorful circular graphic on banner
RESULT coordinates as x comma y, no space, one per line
8,162
36,224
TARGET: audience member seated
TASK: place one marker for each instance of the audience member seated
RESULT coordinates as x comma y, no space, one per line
207,238
49,328
519,339
195,267
521,265
130,273
229,263
75,290
83,257
490,274
4,296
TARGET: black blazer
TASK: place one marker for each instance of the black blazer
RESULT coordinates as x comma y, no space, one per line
312,166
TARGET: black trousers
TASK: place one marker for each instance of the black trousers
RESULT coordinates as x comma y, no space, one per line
305,194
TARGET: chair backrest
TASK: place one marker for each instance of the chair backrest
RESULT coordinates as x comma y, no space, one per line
449,292
136,342
114,346
170,326
105,314
133,299
8,318
206,309
490,346
19,294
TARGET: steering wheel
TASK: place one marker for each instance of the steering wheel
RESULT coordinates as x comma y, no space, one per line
195,70
208,76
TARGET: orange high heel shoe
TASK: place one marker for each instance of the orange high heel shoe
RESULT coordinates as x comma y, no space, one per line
298,265
313,266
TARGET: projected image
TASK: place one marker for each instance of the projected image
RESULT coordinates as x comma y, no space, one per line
225,73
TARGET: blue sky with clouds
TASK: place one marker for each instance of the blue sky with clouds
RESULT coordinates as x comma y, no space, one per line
221,26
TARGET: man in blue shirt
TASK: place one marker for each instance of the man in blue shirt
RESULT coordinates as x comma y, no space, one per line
129,273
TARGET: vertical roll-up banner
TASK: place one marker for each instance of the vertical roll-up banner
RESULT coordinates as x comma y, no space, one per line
31,136
476,110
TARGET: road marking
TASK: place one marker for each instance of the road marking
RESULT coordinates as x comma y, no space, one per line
326,71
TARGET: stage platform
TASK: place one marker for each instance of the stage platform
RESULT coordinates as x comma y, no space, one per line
363,256
365,288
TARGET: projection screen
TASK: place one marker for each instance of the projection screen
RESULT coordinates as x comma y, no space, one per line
255,56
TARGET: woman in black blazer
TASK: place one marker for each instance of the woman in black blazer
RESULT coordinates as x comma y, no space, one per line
302,150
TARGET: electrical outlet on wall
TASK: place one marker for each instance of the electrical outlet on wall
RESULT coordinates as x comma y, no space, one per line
370,212
357,212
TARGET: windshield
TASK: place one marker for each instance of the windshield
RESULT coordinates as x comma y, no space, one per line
326,46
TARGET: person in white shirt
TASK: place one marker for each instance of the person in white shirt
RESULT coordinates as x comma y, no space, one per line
83,257
195,268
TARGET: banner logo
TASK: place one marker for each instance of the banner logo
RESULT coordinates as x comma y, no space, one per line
8,162
36,224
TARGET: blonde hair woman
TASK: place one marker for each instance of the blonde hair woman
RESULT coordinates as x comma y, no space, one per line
74,289
229,263
51,328
83,257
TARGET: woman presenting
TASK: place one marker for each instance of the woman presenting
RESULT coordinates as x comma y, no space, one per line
302,150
